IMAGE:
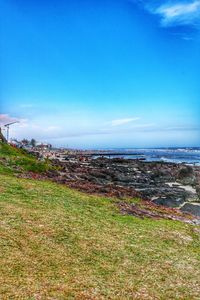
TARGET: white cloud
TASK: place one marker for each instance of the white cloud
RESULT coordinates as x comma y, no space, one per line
179,9
123,121
179,13
51,130
173,12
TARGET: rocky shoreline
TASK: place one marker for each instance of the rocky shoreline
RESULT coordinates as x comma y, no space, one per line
167,184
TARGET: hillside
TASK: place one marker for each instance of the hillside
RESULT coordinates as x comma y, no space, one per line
14,160
58,243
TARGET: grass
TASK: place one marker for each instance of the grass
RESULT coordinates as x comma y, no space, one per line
17,160
57,243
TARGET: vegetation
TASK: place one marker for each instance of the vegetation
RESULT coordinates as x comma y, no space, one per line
57,243
16,160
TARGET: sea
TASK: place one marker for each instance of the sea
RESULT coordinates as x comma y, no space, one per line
187,155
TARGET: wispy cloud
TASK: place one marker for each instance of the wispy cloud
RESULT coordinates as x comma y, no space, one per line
4,119
174,13
180,13
124,121
52,130
26,105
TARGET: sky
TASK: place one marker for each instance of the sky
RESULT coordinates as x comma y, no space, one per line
101,74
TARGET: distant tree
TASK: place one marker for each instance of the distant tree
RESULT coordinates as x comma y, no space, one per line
25,142
33,142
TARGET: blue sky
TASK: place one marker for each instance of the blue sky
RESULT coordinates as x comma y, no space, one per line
95,74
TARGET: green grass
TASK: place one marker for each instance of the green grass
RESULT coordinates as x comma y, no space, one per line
17,160
57,243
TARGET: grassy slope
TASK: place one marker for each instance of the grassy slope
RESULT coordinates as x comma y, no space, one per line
57,243
16,160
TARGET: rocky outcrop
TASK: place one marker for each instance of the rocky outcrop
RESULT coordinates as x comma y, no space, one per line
166,184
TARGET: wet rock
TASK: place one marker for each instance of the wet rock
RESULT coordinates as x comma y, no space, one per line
165,184
191,208
169,202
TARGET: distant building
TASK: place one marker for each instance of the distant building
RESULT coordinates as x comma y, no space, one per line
43,146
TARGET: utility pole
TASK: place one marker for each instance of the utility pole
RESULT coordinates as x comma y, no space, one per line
8,127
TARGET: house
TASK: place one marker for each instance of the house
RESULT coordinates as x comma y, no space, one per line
43,146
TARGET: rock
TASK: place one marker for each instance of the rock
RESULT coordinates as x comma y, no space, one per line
169,202
167,184
198,191
191,208
186,175
185,171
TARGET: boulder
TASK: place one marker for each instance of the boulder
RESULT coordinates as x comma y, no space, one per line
169,202
191,208
186,175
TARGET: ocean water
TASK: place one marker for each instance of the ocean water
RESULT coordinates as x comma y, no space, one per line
173,155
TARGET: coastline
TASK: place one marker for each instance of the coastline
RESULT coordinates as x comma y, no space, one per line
171,185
